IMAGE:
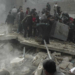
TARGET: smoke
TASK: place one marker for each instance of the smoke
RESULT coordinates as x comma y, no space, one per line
5,6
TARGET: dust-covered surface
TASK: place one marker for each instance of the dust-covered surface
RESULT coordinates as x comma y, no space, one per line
10,51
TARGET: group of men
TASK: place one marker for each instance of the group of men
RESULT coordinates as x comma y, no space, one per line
66,19
32,25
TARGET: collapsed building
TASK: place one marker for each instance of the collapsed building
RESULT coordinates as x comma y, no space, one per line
14,61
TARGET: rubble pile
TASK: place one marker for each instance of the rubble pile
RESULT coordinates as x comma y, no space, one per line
64,62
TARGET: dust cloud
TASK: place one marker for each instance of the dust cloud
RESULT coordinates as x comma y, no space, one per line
9,51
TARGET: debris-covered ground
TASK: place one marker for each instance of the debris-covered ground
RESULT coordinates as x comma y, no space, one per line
11,57
12,60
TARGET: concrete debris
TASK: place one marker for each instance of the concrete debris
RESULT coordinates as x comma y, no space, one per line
70,66
56,54
25,71
28,56
37,59
66,59
38,70
4,72
58,58
16,62
63,65
62,61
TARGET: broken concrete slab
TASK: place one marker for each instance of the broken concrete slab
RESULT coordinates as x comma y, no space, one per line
64,65
66,59
37,59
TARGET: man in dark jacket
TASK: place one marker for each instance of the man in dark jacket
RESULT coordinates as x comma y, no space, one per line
48,7
27,25
21,18
71,31
46,26
9,18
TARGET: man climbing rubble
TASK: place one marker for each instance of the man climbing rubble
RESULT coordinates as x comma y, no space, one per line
48,68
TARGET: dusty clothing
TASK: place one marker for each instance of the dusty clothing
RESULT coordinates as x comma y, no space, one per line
20,23
8,19
14,10
27,12
55,7
44,16
48,7
21,16
56,73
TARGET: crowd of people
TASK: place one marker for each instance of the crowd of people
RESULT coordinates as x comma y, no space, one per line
31,24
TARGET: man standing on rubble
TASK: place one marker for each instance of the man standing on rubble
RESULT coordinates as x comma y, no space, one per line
28,11
8,19
55,8
48,7
19,9
44,15
20,29
27,24
14,13
49,68
45,29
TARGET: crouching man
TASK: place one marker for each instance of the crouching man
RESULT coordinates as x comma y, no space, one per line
48,68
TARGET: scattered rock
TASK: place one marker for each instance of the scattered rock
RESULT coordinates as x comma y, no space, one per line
66,59
64,65
56,54
59,58
25,71
70,66
4,72
37,59
17,62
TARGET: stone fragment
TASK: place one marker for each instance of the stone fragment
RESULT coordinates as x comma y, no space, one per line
17,61
56,54
70,66
57,63
4,72
37,59
64,64
25,70
66,59
59,58
39,70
